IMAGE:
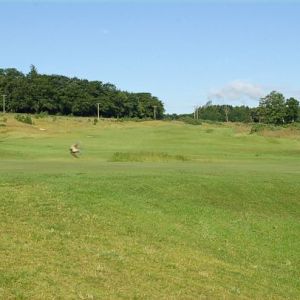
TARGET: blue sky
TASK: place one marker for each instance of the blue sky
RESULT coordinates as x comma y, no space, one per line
184,52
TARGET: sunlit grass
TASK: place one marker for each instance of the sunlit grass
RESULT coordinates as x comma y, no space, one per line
223,224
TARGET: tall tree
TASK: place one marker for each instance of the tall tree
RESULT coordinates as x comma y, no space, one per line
292,110
272,108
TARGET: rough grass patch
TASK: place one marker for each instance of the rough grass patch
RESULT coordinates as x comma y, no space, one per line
144,156
209,130
258,128
267,130
41,115
3,121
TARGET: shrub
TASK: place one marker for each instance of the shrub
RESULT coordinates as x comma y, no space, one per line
191,121
256,128
24,119
212,122
41,115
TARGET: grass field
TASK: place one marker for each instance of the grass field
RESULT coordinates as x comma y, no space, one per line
151,210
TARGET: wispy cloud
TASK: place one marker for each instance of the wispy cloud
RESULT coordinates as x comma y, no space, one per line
238,90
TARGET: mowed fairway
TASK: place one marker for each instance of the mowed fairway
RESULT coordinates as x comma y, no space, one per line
180,212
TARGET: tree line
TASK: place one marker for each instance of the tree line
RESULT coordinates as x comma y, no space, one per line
57,94
272,109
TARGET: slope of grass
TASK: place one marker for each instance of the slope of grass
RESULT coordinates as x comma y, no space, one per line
224,224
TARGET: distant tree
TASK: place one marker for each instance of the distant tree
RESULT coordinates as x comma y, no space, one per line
254,115
292,110
226,111
272,108
33,73
212,112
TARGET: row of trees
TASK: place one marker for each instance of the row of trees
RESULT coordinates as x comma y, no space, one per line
225,113
219,113
56,94
275,109
272,109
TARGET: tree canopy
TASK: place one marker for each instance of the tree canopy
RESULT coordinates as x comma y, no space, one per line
57,94
274,109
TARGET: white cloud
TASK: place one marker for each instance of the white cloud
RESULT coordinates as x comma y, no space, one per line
238,90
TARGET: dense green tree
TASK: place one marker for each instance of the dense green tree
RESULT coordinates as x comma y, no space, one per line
222,113
254,115
240,114
33,73
56,94
272,108
292,110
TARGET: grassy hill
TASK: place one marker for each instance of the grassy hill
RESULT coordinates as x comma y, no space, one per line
154,210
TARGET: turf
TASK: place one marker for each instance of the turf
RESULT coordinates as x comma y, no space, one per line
150,210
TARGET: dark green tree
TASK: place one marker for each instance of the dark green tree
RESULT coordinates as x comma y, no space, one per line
56,94
292,110
272,108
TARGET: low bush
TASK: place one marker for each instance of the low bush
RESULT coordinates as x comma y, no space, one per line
256,128
191,121
41,115
24,119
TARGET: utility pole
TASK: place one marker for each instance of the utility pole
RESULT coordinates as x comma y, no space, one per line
154,112
226,110
3,103
199,107
98,110
195,112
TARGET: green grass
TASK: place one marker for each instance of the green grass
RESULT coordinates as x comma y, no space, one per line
151,210
144,156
